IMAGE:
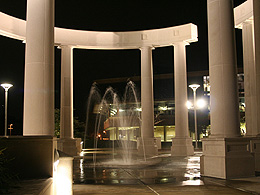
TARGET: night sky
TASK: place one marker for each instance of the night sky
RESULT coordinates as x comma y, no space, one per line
90,65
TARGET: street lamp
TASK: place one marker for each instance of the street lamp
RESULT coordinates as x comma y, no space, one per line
6,86
194,87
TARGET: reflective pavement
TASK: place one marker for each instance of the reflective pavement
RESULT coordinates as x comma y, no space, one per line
161,175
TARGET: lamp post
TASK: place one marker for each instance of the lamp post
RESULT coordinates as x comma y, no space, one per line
6,86
194,87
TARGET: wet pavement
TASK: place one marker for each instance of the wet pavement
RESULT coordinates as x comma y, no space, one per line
164,175
161,175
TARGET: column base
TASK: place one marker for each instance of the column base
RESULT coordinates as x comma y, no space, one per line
255,149
182,147
158,143
147,147
71,146
227,158
31,157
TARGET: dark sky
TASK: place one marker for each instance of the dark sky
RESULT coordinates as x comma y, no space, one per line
89,65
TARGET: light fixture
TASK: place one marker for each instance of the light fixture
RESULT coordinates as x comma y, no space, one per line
6,86
194,87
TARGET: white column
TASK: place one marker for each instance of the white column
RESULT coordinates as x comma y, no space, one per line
251,100
66,106
39,69
224,153
147,142
223,69
147,99
180,90
256,10
182,143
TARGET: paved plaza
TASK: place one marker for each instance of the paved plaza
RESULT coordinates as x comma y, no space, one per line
166,175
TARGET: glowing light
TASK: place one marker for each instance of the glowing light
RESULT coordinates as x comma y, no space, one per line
139,109
81,169
121,110
194,87
189,105
63,176
163,108
6,86
56,165
201,103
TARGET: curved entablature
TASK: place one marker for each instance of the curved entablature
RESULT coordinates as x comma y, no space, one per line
243,13
16,28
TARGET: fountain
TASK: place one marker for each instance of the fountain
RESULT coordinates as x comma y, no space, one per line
120,164
123,124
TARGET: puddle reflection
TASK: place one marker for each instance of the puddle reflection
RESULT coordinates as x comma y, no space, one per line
174,170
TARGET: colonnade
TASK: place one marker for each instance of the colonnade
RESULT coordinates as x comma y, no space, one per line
39,85
224,152
182,144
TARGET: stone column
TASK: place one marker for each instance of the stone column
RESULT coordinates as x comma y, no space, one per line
250,80
223,69
182,143
66,105
67,143
39,69
225,155
256,12
255,131
147,142
147,100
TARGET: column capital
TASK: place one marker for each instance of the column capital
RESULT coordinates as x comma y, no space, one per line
246,22
146,47
185,43
65,46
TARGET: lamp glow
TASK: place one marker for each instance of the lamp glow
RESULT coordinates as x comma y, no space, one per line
6,86
200,103
189,105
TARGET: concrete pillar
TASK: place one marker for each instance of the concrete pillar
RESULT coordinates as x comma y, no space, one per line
251,100
182,143
147,99
39,69
223,69
66,107
256,12
225,154
147,142
67,143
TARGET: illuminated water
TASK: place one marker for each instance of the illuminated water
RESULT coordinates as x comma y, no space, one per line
123,165
122,113
164,169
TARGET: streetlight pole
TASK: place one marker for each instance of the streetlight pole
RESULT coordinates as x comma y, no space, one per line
6,86
194,87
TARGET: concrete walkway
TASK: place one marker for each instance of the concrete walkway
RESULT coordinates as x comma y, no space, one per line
167,189
171,175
